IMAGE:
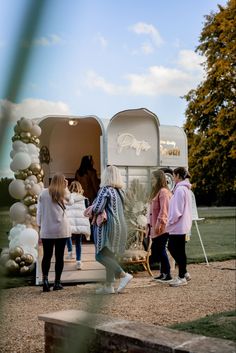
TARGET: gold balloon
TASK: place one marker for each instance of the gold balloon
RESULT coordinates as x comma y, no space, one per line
29,200
23,257
18,259
29,259
35,168
15,252
39,178
32,210
24,270
15,138
22,263
25,134
12,266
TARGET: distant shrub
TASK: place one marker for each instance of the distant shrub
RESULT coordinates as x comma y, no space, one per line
5,199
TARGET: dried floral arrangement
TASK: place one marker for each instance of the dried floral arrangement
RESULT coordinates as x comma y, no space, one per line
136,203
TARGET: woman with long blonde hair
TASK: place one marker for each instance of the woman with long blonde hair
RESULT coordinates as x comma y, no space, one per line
110,236
54,228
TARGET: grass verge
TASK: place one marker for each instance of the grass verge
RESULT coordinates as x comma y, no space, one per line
221,325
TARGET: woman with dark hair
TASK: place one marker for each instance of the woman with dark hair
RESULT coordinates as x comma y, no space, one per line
87,176
158,212
54,228
179,223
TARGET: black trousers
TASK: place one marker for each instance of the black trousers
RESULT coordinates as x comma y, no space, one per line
176,246
48,245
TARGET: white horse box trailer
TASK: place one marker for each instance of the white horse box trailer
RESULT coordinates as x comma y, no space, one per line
133,140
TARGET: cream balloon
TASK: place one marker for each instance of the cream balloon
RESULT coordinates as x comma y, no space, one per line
16,230
35,189
36,130
32,178
26,124
17,189
19,146
18,212
29,237
32,149
21,160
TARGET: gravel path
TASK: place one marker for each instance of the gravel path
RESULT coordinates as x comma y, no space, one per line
211,290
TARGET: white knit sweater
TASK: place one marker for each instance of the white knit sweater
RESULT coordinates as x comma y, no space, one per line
75,213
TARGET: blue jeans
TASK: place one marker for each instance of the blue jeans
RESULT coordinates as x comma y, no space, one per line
78,245
159,252
107,259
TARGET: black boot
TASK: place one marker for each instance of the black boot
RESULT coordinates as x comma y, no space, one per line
57,285
46,286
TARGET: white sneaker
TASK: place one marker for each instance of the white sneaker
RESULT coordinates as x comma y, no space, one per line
79,265
69,256
178,282
187,276
105,290
124,281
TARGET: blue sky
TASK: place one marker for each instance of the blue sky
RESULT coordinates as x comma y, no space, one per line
98,57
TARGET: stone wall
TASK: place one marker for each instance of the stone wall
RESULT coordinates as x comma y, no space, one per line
77,331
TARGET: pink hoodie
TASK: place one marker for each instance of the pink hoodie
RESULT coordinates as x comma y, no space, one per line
180,209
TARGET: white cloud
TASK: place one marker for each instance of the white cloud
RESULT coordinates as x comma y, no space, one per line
32,108
50,40
159,80
95,81
148,29
156,81
189,60
101,40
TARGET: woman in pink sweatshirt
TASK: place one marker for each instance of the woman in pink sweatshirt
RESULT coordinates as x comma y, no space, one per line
179,223
158,212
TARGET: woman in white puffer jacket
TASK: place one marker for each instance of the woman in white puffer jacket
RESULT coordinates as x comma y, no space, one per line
80,224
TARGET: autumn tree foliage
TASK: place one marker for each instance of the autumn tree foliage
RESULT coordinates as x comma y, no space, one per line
211,112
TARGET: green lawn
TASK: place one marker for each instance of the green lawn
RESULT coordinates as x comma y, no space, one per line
218,237
222,325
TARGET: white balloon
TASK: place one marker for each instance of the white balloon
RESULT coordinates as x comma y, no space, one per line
21,160
35,189
26,124
18,212
32,178
16,230
17,189
35,158
32,149
19,146
29,237
36,130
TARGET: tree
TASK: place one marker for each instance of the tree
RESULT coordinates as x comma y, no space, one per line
211,113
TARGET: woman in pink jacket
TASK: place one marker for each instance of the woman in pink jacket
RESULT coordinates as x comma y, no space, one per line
179,223
158,212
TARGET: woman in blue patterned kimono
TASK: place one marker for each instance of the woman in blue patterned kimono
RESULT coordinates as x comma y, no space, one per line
110,236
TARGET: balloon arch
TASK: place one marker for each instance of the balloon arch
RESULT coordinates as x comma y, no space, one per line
22,253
